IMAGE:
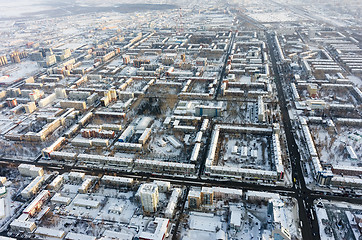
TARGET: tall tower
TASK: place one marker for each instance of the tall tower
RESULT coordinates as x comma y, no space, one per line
149,197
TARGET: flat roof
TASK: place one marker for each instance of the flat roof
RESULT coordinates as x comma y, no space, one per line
235,217
50,232
118,235
160,231
78,236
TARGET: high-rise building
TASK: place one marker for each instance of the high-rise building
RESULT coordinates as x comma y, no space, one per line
3,60
207,195
194,198
14,57
30,107
149,197
11,102
312,89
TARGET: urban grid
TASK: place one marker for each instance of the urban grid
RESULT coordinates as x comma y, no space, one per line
181,120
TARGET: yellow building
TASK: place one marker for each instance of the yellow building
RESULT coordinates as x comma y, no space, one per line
207,195
312,89
149,197
194,199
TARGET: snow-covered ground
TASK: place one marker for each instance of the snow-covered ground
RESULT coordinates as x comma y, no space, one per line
17,8
213,221
356,80
103,208
337,220
332,146
257,150
273,17
21,70
13,186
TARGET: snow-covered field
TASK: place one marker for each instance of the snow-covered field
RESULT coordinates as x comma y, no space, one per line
17,8
273,17
21,8
21,70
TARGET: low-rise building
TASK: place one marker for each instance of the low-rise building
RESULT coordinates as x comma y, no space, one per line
155,230
37,203
30,170
32,188
23,226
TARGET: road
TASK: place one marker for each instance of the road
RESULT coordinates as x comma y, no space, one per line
222,74
302,193
200,182
189,181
